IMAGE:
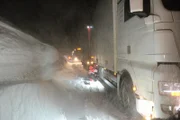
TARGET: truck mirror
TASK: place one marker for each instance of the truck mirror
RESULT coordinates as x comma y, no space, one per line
140,8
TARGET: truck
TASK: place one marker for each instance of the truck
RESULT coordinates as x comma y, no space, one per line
137,47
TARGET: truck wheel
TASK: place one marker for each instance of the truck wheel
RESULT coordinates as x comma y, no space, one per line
127,95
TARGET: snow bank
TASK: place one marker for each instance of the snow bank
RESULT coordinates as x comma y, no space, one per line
30,101
23,57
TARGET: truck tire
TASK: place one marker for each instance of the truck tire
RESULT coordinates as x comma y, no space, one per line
127,95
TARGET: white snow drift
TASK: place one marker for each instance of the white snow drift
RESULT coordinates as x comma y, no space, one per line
22,57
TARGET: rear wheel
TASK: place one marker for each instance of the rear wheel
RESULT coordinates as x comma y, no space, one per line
127,95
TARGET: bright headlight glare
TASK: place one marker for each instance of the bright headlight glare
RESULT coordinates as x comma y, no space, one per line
75,59
169,88
148,118
141,104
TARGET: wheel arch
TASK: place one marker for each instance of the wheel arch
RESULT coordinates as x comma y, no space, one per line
122,73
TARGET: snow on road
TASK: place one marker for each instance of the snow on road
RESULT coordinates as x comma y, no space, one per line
67,97
92,101
27,93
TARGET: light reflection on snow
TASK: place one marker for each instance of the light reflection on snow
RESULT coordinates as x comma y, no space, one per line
93,84
70,99
98,85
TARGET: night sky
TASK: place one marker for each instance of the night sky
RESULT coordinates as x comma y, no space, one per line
56,22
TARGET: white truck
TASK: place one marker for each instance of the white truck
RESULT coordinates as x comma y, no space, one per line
137,46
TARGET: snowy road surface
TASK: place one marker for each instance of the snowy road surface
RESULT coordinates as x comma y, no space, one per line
33,85
67,97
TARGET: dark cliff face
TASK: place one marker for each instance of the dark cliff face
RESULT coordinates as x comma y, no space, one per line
61,23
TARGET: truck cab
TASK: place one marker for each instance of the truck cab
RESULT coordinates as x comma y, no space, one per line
143,49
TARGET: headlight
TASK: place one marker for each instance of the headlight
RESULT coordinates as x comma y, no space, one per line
75,59
175,93
169,88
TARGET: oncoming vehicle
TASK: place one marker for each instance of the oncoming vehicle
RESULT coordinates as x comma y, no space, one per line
77,54
141,53
76,57
73,60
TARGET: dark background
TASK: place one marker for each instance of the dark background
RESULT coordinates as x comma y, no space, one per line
61,23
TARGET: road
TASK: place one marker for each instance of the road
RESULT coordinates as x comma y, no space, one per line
66,97
34,86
